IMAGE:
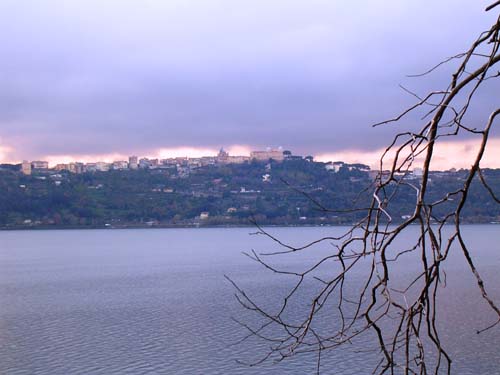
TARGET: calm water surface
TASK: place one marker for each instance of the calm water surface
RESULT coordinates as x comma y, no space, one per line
156,302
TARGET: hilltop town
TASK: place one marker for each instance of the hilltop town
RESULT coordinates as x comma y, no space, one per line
271,187
181,163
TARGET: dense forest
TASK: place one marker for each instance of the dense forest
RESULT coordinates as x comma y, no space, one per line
293,192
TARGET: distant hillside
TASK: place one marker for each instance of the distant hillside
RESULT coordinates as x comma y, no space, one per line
288,193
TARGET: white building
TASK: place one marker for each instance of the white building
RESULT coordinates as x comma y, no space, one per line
38,164
90,167
26,167
238,159
75,167
120,165
144,163
418,172
61,167
334,167
133,162
102,166
276,155
222,156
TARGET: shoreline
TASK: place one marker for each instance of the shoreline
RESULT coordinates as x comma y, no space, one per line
171,226
192,226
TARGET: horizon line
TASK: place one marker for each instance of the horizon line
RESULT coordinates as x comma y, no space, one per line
448,155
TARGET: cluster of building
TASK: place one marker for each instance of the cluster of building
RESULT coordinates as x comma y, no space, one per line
181,163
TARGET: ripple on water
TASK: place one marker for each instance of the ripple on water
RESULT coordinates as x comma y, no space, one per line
108,306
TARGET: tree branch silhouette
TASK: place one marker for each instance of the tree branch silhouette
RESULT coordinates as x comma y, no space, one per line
403,318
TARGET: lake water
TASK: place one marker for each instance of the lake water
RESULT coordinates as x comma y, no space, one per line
156,302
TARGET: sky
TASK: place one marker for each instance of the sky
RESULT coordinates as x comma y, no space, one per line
103,79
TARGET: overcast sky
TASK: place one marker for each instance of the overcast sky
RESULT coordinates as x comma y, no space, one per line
94,78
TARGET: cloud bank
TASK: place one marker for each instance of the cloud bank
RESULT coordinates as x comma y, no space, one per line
117,77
